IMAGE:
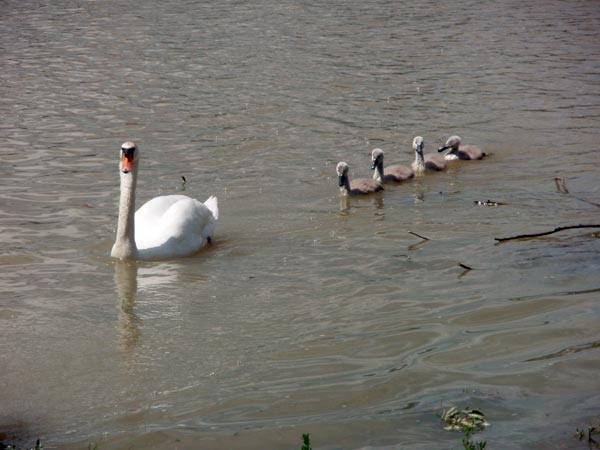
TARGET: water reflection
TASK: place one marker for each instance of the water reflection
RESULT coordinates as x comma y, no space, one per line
376,201
419,193
126,284
153,284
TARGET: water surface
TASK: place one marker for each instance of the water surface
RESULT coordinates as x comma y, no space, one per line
309,313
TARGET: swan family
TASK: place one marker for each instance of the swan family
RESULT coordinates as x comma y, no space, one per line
174,226
430,162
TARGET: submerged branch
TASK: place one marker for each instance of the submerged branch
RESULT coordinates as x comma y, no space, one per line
526,236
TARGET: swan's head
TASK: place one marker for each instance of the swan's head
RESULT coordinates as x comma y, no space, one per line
418,144
342,171
376,157
453,142
130,154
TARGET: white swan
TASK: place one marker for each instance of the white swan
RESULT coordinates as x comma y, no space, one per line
170,226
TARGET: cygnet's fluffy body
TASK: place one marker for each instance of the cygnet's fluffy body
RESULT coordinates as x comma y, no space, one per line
361,186
458,151
429,162
390,174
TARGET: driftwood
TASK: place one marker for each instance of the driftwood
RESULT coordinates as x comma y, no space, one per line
526,236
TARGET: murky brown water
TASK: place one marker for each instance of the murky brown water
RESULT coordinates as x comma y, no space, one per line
307,314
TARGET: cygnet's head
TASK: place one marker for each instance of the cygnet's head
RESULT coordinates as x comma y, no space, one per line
129,155
342,168
453,142
376,157
418,144
342,171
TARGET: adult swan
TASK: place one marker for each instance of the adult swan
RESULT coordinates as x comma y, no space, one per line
170,226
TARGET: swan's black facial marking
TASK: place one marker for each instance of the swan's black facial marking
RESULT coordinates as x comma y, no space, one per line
128,153
128,156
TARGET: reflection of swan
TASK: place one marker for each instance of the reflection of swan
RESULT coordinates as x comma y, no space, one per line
126,284
165,227
425,162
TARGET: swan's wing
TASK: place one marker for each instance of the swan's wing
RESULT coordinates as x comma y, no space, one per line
154,209
173,225
213,205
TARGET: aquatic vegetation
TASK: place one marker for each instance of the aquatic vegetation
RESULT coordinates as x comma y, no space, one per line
306,440
467,418
590,433
468,444
38,446
468,421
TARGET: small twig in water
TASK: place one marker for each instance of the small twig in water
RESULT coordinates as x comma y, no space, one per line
419,236
561,185
464,272
526,236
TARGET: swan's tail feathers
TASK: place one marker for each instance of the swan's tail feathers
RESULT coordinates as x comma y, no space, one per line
213,205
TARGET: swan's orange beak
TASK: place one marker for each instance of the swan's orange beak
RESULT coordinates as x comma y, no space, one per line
126,163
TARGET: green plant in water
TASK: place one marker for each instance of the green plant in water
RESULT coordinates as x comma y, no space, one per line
468,444
468,421
306,439
38,446
591,431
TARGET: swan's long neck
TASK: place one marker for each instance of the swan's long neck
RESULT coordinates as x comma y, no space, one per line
124,247
419,164
378,173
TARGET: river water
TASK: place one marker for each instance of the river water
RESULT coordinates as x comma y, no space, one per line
308,314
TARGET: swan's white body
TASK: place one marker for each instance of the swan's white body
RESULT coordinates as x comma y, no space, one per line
170,226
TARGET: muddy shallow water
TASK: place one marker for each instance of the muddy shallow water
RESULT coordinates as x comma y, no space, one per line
309,313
